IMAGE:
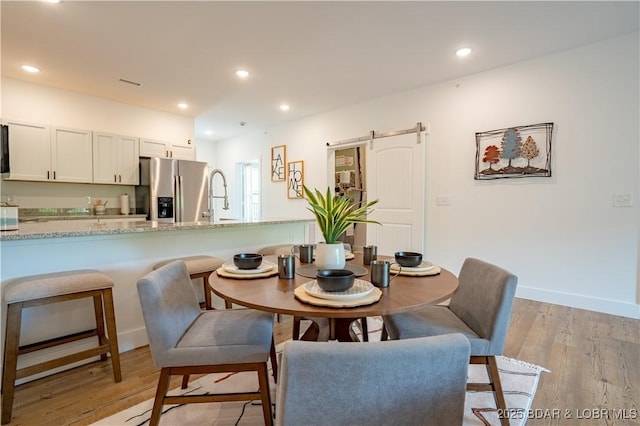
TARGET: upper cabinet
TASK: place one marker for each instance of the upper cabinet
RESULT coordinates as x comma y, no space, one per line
41,153
115,159
71,155
154,148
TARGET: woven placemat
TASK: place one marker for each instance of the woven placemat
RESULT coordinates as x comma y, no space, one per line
408,273
305,297
226,274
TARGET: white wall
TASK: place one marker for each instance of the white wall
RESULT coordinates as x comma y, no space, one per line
561,235
40,104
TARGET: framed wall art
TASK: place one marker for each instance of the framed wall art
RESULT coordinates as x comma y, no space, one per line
278,161
514,152
295,179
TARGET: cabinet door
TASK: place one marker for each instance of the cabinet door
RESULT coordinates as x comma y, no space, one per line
182,152
30,151
105,158
72,155
151,148
128,161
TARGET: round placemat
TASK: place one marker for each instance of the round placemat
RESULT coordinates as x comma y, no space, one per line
303,296
226,274
310,270
433,271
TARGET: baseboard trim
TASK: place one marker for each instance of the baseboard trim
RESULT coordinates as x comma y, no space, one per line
605,306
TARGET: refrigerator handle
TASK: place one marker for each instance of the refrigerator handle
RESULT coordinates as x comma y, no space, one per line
179,199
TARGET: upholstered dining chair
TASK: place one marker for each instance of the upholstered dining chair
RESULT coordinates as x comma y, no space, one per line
480,309
406,382
185,340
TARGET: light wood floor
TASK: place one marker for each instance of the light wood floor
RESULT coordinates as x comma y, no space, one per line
594,361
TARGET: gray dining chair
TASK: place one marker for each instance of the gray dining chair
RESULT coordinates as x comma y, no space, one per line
406,382
480,309
185,340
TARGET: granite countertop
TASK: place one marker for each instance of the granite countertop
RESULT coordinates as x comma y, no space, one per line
57,228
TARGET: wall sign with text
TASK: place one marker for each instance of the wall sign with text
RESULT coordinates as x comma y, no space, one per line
278,162
295,179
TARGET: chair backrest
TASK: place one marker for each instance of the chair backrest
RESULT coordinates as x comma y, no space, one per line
169,306
484,300
400,382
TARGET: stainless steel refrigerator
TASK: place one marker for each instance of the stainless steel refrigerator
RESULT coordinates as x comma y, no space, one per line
172,190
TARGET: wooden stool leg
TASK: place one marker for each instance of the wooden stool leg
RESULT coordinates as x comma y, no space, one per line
11,344
113,334
97,310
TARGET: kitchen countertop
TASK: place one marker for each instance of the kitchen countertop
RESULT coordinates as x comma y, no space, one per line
56,228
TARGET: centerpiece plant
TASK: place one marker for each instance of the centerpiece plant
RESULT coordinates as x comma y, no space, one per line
333,215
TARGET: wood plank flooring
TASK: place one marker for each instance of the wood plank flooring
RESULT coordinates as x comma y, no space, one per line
594,361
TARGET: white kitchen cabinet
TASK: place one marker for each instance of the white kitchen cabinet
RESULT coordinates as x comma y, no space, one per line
115,159
154,148
30,151
42,153
71,155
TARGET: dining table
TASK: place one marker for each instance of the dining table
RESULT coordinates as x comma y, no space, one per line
279,295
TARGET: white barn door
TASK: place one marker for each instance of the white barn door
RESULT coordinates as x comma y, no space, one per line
396,177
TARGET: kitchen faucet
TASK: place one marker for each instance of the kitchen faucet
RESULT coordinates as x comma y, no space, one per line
211,196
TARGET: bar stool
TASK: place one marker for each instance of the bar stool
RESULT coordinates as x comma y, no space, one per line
37,290
199,267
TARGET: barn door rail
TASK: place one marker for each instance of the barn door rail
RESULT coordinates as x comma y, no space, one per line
418,129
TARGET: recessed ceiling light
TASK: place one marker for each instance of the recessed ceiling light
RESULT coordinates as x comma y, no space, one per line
463,52
284,107
51,1
208,132
183,105
242,73
30,68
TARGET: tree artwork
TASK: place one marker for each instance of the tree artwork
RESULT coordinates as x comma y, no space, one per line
529,150
491,155
511,143
507,156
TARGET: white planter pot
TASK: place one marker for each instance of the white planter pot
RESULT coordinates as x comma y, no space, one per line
330,256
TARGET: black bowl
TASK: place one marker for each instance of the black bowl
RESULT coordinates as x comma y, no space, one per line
247,260
335,279
408,258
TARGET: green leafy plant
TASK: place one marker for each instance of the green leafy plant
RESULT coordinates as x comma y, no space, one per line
334,214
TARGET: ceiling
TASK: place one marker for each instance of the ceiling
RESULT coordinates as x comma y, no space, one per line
315,56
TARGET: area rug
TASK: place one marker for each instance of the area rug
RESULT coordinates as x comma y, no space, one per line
519,381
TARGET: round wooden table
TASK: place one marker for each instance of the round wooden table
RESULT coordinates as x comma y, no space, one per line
274,294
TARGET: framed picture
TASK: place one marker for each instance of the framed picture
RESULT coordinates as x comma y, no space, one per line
278,161
514,152
295,179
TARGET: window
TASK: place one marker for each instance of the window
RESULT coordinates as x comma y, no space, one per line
249,179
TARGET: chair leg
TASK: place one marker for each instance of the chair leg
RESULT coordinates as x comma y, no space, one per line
265,395
365,329
385,333
161,392
110,319
185,382
295,334
274,361
496,384
11,344
208,304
